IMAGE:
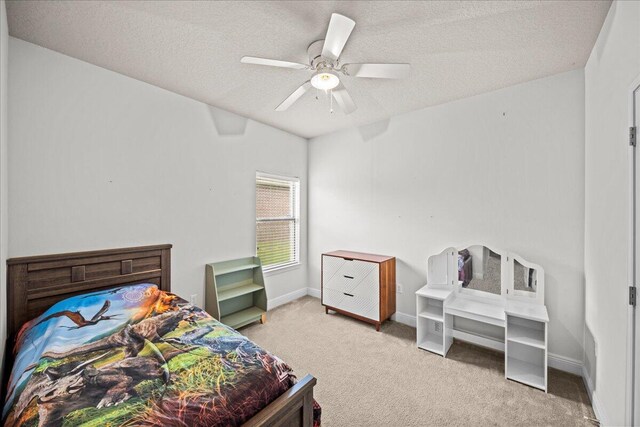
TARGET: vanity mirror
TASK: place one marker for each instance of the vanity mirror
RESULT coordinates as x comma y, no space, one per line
480,269
483,271
527,281
524,278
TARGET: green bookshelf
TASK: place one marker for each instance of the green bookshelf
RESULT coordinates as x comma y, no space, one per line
235,292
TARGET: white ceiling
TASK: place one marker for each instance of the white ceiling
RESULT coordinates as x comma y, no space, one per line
456,49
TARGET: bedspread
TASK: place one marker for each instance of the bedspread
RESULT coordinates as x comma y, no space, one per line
136,355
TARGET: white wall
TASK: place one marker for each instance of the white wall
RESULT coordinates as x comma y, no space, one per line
100,160
4,240
613,65
504,168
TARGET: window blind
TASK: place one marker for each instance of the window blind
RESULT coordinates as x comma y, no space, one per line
277,221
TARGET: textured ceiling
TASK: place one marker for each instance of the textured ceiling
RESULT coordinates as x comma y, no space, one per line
456,49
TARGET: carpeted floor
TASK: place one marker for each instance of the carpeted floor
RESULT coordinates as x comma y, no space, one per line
369,378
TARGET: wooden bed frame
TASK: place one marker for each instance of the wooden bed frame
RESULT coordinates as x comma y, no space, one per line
36,283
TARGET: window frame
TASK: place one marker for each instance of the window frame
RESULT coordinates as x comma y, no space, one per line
295,218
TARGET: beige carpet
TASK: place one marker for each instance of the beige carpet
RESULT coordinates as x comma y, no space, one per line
369,378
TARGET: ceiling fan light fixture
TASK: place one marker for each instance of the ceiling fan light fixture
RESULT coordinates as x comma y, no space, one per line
325,80
324,62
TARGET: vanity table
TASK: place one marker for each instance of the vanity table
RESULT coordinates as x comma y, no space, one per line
493,291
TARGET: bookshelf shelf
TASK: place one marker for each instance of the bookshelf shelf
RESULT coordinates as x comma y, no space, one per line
235,292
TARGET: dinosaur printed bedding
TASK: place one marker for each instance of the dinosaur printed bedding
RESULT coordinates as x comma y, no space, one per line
137,356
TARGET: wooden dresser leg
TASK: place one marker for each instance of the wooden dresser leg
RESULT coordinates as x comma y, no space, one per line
263,318
326,310
378,327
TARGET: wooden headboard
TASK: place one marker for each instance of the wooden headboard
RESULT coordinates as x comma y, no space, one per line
36,283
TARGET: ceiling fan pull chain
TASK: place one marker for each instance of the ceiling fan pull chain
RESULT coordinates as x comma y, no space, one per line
331,100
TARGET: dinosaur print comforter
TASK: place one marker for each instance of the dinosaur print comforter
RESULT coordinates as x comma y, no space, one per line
137,356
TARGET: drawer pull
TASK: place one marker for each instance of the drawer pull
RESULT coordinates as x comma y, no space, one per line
348,259
349,295
348,277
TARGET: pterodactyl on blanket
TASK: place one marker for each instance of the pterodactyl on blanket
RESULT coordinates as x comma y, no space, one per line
77,318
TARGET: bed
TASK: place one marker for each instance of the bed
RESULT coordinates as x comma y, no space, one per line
131,352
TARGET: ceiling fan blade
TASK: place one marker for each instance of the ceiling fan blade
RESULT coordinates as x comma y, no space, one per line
273,62
344,99
378,71
294,96
338,33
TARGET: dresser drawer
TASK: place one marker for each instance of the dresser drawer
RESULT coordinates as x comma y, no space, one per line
347,275
355,284
358,269
366,286
362,305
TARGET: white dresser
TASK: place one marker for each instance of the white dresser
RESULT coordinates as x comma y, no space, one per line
359,285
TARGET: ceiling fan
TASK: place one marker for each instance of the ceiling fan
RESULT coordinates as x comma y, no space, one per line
324,61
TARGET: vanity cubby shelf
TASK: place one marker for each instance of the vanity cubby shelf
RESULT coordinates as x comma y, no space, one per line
235,292
429,339
432,321
432,312
526,344
493,291
525,335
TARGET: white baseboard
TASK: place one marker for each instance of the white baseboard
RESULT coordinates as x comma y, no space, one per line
566,364
404,318
283,299
595,402
313,292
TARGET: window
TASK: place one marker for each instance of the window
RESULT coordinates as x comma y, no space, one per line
277,221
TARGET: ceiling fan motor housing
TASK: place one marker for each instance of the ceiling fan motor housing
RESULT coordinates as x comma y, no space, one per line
315,55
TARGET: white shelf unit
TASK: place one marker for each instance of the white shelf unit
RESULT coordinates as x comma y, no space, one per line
431,324
526,351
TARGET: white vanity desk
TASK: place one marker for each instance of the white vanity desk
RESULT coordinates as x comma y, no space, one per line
514,303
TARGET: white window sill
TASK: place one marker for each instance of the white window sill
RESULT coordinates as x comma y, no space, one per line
281,269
